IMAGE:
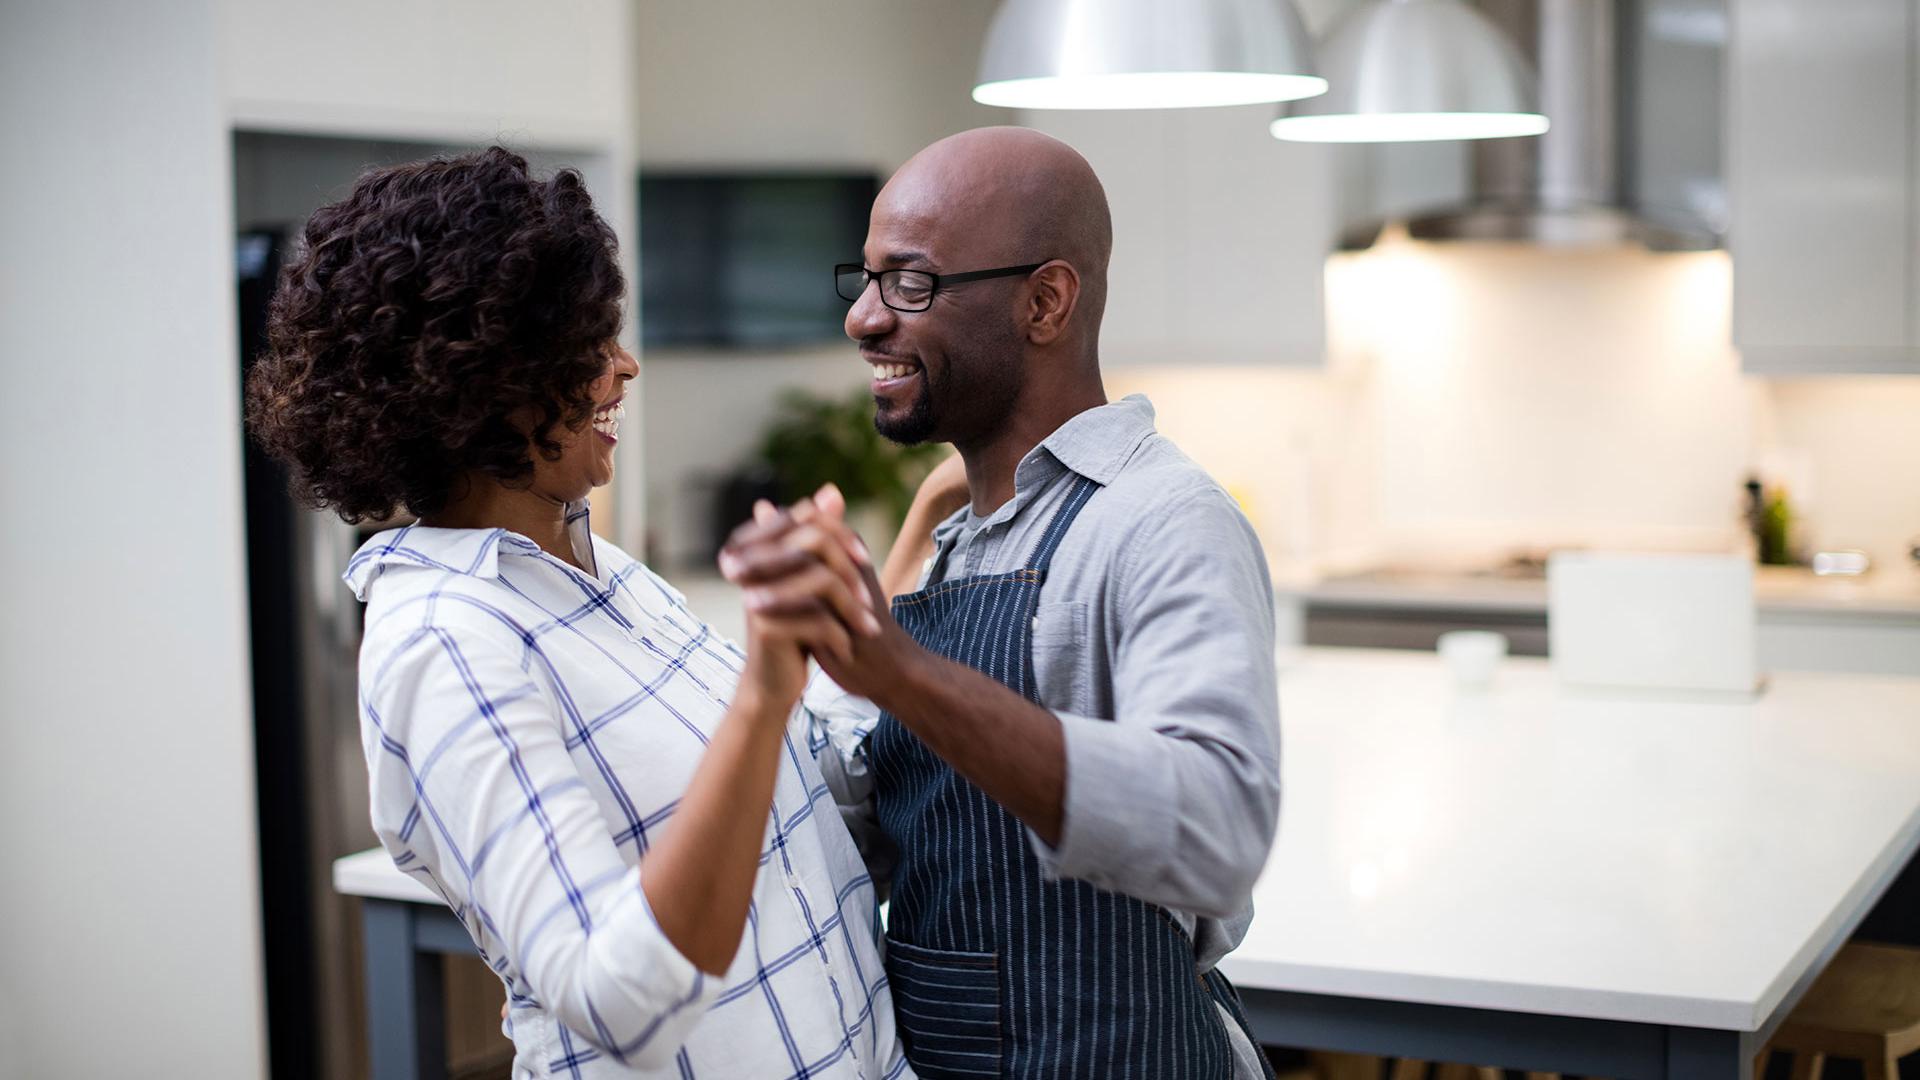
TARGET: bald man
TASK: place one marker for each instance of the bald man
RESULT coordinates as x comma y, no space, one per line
1068,773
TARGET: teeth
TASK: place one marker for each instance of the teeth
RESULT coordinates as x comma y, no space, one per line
892,371
607,420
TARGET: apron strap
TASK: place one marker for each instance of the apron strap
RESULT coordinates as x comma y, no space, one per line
1042,556
938,567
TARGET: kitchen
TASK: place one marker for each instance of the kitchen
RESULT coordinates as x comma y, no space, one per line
1414,425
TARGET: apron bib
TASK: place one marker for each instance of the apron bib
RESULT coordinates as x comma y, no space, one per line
995,971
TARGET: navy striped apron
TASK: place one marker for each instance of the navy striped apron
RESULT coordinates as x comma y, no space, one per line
995,971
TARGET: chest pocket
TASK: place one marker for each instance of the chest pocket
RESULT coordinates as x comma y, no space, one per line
1060,654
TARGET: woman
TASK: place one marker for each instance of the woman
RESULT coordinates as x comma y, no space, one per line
604,792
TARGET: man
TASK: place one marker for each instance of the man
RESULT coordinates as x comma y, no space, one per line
1074,771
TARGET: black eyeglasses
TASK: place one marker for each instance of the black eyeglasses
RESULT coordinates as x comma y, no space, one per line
910,290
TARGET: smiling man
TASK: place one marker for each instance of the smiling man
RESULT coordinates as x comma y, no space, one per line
1068,772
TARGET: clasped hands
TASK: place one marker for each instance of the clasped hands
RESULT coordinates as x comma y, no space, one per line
803,566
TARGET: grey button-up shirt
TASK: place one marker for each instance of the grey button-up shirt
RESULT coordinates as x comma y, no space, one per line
1154,645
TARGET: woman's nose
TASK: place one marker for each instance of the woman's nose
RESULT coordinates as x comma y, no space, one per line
625,364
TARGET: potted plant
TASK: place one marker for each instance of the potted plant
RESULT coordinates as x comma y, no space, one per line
815,440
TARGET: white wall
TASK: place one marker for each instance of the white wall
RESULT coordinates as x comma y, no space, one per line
128,909
824,82
550,74
835,84
1482,399
1526,397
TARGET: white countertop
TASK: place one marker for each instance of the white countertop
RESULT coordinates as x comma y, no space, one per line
1885,593
1530,850
1609,858
371,873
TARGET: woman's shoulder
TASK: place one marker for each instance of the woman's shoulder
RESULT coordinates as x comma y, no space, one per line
618,566
415,579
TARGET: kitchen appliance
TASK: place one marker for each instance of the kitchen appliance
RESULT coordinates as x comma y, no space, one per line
312,778
1662,624
1632,89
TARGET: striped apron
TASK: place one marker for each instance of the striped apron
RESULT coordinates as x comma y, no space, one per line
996,971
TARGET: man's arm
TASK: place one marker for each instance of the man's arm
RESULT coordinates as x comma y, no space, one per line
1007,746
1175,798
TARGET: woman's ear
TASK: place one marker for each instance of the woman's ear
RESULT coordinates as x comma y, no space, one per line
1052,291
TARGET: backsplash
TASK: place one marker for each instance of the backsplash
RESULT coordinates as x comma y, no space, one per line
1484,398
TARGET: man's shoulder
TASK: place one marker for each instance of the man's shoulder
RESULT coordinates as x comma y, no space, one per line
1159,486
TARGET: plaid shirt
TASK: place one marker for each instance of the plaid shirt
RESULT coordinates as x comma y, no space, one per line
529,729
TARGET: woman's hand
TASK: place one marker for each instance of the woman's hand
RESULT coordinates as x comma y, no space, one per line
945,488
941,493
804,575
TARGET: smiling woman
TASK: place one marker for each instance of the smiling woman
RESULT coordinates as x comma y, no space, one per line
587,774
446,318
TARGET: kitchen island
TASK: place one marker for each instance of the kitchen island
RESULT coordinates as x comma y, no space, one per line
1865,625
1540,880
1522,878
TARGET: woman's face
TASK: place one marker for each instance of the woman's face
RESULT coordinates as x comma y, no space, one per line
586,456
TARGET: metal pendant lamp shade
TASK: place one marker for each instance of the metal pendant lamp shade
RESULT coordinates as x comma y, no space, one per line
1413,71
1145,54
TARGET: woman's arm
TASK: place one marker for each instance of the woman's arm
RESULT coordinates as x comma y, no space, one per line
699,877
504,826
941,493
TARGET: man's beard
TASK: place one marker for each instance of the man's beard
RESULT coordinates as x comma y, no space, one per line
917,424
960,406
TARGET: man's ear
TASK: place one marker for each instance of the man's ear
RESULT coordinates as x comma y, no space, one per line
1053,292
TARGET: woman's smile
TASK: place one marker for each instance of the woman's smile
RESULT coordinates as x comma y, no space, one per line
606,419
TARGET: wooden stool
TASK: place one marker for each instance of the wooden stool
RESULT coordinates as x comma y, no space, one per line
1865,1006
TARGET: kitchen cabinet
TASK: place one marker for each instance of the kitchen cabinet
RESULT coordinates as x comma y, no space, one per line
1221,234
1823,157
1861,644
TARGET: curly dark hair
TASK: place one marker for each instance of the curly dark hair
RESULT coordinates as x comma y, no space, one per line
424,321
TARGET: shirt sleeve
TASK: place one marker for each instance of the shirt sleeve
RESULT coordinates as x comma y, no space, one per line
836,724
500,822
1176,797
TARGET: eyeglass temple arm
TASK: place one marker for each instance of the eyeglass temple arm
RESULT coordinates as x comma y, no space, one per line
978,275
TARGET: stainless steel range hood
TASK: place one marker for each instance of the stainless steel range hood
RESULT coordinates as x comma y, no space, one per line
1632,88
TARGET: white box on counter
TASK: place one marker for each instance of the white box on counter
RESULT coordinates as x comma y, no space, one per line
1672,623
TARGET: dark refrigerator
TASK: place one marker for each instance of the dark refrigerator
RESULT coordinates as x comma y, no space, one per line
311,774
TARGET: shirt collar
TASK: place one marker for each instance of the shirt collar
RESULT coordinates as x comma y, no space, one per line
469,552
1096,444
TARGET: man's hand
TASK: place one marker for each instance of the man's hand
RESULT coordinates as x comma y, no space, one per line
1011,748
767,556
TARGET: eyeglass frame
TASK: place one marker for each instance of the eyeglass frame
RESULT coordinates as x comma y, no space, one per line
874,276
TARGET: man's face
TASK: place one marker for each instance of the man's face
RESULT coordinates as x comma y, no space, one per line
950,373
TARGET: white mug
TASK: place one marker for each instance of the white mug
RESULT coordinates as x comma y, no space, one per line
1472,655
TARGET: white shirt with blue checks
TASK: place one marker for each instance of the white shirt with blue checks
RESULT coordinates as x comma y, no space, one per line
529,730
